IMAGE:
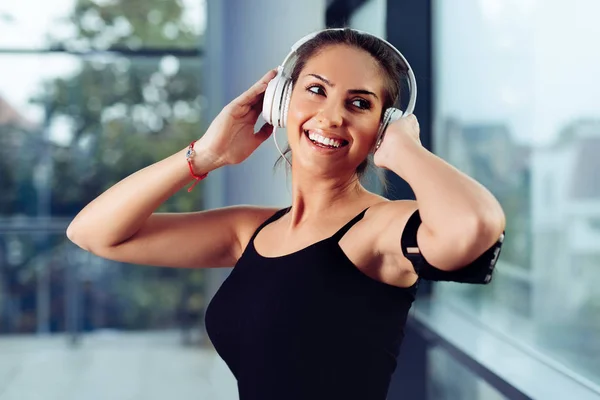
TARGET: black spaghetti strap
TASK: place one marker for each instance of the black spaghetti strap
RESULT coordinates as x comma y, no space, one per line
272,218
339,234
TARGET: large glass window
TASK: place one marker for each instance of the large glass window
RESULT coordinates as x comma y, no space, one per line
91,91
516,107
101,24
451,380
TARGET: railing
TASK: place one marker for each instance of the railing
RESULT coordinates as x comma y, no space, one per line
511,368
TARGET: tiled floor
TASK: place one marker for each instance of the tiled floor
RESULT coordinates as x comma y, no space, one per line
112,366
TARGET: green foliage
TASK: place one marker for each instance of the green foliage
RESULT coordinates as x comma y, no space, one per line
132,23
122,114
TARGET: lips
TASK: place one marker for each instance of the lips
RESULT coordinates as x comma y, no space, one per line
325,141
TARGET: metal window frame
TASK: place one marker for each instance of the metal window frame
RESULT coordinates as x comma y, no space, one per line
123,51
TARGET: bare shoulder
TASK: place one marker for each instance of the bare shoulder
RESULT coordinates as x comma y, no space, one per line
390,211
381,215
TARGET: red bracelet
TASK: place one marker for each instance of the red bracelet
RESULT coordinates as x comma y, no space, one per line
188,156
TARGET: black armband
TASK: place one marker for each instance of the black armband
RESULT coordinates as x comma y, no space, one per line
479,271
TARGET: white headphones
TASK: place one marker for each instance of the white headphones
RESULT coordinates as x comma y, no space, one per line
279,90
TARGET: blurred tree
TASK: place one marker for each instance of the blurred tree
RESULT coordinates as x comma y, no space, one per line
6,17
123,113
115,115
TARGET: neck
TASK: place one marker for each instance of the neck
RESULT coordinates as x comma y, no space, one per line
315,195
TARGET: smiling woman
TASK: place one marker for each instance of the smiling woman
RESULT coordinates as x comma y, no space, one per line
322,103
304,275
384,65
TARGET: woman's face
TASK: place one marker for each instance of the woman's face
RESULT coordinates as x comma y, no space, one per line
335,110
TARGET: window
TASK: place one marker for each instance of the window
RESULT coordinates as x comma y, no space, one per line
91,91
516,108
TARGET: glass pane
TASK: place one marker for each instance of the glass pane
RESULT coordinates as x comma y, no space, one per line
517,109
112,331
50,285
70,127
100,24
450,380
90,122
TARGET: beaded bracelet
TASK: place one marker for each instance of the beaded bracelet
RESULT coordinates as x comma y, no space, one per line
188,156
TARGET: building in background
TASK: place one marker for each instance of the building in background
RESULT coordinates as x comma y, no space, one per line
566,223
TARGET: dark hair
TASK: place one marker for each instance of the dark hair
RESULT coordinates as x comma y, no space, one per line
388,60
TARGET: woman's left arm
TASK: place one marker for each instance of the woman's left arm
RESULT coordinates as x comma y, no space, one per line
461,219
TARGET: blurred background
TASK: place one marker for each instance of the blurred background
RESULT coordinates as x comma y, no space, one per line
93,90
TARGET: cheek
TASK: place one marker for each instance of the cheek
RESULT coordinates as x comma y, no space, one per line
299,109
297,116
369,128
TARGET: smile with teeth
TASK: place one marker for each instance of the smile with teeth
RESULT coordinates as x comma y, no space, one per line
323,141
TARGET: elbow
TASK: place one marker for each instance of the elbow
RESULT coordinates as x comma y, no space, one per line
74,235
481,233
484,234
89,240
71,232
475,239
462,245
490,225
477,231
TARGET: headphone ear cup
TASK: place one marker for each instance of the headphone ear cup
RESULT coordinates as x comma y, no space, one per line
390,115
394,115
287,95
273,98
269,98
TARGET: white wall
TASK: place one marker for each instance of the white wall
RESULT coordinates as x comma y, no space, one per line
244,40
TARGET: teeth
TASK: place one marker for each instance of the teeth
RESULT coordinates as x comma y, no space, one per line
323,140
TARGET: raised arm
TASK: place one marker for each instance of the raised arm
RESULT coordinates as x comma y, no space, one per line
121,223
461,219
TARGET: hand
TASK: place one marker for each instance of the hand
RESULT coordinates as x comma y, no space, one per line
230,138
399,135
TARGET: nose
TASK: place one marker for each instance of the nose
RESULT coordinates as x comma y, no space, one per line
331,115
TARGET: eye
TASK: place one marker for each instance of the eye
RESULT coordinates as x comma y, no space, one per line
361,103
316,89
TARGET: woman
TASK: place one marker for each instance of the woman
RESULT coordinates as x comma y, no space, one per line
317,301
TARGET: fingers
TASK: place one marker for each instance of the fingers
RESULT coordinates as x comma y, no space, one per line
409,120
253,94
264,132
268,76
414,121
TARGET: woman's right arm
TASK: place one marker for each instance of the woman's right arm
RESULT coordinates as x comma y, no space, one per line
121,224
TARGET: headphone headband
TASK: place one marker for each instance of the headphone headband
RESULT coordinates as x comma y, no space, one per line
290,61
279,90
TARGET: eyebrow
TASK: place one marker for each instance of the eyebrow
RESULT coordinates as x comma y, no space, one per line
352,91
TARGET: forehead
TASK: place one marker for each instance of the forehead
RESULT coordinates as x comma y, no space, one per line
346,65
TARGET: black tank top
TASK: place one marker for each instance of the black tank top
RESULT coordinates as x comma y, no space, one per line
308,325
